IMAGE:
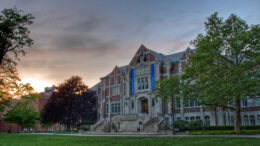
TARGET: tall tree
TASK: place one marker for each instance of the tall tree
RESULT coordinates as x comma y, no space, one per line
225,68
69,104
169,89
14,36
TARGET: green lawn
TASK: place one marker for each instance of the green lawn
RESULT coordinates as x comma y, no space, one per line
57,140
223,132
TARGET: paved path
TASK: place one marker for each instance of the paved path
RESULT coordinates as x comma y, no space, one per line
146,135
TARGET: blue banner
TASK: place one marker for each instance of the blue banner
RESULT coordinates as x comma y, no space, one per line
152,76
132,82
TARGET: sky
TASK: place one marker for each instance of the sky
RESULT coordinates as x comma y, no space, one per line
89,37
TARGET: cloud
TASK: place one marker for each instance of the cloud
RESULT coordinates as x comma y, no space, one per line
89,37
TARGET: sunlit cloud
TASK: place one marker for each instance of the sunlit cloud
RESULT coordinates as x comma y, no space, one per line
37,84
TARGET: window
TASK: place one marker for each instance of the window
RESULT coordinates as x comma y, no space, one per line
99,99
125,103
153,104
191,103
138,60
142,83
192,118
197,117
178,118
115,108
252,119
178,104
116,80
107,107
133,105
246,120
207,120
249,102
232,119
187,118
257,101
145,58
116,90
244,103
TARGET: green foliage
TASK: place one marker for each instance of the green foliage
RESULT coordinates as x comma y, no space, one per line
168,88
219,127
232,127
225,67
23,113
182,125
188,125
85,127
113,126
14,35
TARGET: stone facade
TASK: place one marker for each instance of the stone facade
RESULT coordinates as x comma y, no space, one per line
126,101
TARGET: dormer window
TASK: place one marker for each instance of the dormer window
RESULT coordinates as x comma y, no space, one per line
138,59
144,57
142,52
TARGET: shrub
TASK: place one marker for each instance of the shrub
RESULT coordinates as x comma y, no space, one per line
219,127
232,127
196,125
85,127
182,125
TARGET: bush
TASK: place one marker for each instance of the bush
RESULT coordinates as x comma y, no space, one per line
232,127
256,127
196,125
219,127
85,127
182,125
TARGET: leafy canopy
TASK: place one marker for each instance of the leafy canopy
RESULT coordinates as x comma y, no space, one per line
226,63
23,113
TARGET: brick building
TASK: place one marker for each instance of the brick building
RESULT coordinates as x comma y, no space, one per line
38,104
126,99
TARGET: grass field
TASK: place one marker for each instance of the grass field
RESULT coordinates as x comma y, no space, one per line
57,140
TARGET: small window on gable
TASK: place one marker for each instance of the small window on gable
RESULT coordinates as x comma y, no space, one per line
138,59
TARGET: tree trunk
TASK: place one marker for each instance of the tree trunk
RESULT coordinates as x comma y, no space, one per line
68,126
172,108
216,117
237,115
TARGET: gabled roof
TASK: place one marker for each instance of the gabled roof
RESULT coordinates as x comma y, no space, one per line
175,57
94,88
157,55
123,69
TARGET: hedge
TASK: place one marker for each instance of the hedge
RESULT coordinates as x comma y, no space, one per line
198,125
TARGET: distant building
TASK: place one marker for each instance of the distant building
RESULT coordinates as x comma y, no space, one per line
38,104
125,97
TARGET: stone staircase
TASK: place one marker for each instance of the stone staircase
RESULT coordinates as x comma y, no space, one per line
151,126
101,126
164,124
